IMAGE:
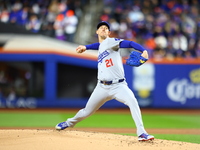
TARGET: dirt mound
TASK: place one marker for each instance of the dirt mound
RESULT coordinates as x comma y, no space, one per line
49,139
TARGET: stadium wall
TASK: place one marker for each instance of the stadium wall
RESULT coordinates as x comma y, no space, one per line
155,84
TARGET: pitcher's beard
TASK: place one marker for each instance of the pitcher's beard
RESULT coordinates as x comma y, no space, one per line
103,37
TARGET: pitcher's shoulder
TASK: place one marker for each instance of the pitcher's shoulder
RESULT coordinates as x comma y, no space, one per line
114,39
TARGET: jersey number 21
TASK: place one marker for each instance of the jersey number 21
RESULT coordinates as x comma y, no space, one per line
109,62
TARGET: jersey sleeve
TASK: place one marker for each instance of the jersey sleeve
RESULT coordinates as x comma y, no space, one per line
94,46
131,44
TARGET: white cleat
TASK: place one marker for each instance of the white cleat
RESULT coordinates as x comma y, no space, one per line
145,137
61,126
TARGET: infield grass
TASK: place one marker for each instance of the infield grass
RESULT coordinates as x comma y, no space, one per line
176,137
106,120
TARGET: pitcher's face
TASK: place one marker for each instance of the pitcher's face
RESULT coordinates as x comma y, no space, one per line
103,32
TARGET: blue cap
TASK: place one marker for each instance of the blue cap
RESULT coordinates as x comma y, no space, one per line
103,23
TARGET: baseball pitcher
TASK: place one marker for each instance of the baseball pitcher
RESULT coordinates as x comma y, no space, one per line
111,79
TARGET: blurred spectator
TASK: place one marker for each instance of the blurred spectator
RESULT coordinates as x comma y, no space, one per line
14,14
23,16
118,13
159,53
36,8
62,7
135,15
114,25
150,42
59,27
33,24
77,9
180,44
53,10
4,15
188,25
123,28
70,24
106,14
161,41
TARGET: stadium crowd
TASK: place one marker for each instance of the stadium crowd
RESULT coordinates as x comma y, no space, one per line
167,28
54,18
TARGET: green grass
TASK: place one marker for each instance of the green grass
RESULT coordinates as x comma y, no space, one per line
177,137
172,121
47,119
29,119
150,121
98,120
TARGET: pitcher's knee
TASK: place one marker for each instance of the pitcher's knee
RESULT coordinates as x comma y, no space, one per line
86,113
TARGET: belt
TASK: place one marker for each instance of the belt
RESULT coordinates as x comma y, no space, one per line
111,82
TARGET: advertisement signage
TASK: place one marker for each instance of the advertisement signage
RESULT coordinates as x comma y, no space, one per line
177,86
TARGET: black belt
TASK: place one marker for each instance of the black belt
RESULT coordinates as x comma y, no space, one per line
111,82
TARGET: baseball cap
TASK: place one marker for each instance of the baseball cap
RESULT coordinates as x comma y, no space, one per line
103,23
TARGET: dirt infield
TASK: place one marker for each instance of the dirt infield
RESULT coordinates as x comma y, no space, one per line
49,139
92,138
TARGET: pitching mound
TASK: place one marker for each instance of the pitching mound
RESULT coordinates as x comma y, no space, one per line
33,139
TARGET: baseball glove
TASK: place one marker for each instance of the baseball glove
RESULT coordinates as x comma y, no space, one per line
135,59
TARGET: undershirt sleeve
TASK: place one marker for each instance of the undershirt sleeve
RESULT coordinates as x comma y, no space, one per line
131,44
94,46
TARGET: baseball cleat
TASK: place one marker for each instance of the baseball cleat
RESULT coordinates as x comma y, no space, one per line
61,126
145,137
